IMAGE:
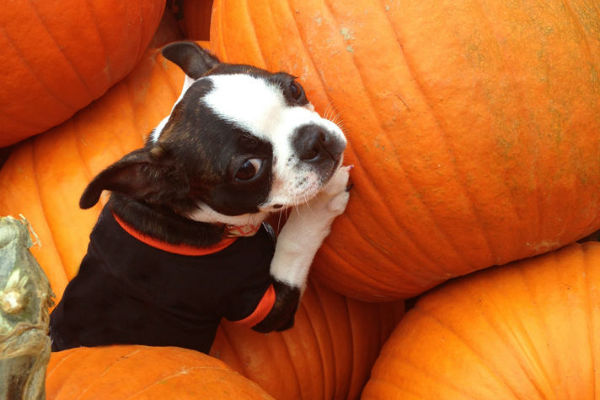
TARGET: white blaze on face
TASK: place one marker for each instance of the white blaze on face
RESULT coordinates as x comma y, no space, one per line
259,107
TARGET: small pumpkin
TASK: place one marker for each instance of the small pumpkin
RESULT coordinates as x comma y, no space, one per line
327,355
473,128
56,58
525,331
141,372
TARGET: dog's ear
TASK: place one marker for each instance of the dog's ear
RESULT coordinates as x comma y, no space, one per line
144,174
190,57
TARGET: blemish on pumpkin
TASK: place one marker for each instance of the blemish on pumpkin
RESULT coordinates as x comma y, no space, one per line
544,245
349,49
347,34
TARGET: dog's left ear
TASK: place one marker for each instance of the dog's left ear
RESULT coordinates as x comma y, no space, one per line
146,174
191,58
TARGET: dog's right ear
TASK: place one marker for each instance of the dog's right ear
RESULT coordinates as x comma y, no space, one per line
191,58
144,174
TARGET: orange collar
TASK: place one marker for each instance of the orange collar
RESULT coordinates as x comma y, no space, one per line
181,249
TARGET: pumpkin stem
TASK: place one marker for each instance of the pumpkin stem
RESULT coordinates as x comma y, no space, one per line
25,299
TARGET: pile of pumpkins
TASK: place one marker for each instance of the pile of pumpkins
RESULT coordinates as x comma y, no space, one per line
474,129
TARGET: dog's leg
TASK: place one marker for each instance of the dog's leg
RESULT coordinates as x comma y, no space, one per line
297,244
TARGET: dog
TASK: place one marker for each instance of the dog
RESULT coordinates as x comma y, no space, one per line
181,242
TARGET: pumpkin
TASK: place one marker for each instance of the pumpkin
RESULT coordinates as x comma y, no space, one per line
141,372
525,331
44,177
327,355
473,127
57,59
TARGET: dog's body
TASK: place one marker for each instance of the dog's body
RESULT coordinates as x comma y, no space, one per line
166,260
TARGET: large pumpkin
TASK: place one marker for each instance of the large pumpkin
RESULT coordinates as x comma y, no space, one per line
526,331
473,126
58,57
45,176
326,356
140,372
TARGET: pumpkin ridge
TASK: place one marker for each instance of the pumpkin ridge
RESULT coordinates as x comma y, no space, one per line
46,208
539,363
517,348
107,68
312,63
427,210
133,115
140,49
216,17
553,259
351,332
59,48
77,133
589,310
103,373
331,250
493,372
439,379
27,65
176,90
305,314
577,23
443,133
50,371
183,371
293,365
522,111
28,124
254,34
321,351
43,205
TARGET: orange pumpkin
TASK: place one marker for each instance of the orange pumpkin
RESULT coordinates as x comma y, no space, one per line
473,127
57,59
525,331
140,372
327,355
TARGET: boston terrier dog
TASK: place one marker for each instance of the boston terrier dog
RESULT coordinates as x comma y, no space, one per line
181,242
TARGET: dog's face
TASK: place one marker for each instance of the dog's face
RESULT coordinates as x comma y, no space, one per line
240,141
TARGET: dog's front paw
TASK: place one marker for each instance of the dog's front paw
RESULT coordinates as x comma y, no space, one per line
334,197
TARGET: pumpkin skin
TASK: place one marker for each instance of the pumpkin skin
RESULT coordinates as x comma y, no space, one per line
473,127
44,177
524,331
141,372
195,18
327,355
56,60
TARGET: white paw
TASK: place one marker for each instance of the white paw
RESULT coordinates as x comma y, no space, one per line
334,196
330,202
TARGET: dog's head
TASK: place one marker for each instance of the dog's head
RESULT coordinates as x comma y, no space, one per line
240,141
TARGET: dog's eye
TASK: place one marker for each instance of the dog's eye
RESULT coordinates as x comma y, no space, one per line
249,169
296,92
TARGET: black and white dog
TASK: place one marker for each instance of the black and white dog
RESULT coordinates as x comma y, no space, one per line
181,243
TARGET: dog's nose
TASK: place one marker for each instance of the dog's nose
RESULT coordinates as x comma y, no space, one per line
314,143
